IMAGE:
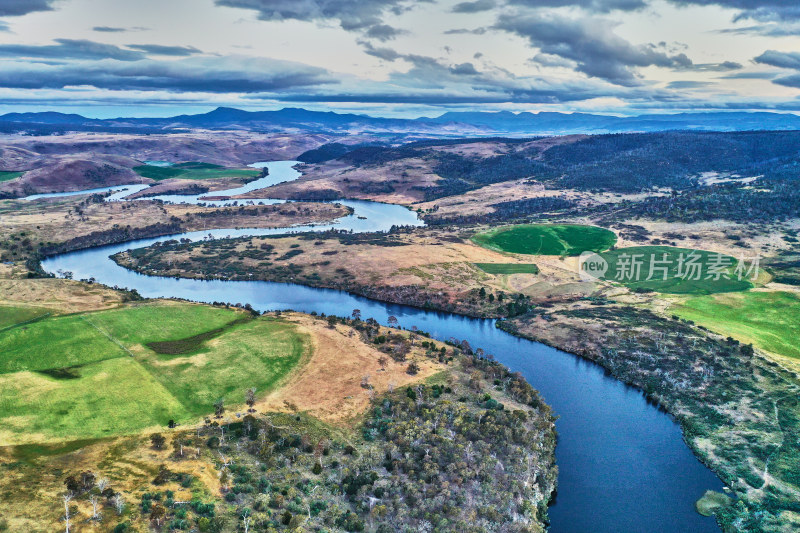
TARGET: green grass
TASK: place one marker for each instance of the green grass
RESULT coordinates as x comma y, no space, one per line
768,320
621,261
254,354
69,377
8,175
508,268
74,340
12,315
194,171
547,239
710,502
111,397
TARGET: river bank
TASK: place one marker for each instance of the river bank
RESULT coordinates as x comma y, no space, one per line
718,390
617,454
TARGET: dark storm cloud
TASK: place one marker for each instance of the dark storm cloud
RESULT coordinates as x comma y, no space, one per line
214,75
16,8
70,49
474,7
750,76
793,80
725,66
162,50
591,44
464,69
352,15
772,29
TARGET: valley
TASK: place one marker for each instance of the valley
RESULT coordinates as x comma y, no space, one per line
117,364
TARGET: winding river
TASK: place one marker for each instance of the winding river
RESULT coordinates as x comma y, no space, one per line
623,464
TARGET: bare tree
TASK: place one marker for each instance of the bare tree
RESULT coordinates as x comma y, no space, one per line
365,382
118,501
95,501
219,407
246,520
392,321
67,499
102,484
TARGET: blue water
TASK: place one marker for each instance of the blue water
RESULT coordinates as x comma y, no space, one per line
623,465
124,189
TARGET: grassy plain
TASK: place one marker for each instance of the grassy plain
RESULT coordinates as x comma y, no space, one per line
769,320
8,175
679,276
547,239
194,171
11,315
91,375
508,268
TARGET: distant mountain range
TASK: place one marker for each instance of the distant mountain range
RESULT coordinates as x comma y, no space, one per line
449,124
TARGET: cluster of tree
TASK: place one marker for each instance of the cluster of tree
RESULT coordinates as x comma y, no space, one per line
624,163
763,201
785,267
472,453
97,491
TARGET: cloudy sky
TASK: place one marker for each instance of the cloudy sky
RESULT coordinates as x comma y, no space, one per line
398,58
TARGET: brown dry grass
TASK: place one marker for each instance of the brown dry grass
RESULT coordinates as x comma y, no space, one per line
57,295
427,259
479,201
328,386
31,490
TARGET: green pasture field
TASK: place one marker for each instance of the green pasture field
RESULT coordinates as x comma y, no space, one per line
11,315
194,171
92,375
8,175
634,265
547,239
508,268
768,320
